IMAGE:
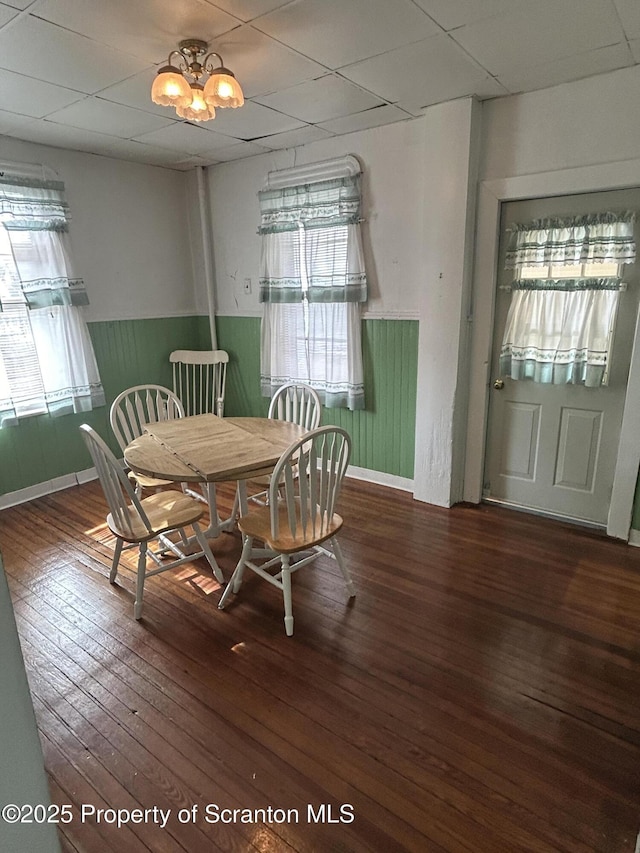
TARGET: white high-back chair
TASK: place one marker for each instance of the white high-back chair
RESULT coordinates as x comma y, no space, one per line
296,403
135,407
300,516
199,380
137,522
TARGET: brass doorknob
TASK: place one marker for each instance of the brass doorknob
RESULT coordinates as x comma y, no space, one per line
498,384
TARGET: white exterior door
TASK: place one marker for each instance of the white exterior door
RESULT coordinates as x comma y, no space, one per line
553,448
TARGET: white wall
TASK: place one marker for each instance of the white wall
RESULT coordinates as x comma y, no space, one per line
417,197
129,232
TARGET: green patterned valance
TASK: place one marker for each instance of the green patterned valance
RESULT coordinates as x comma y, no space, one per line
27,200
317,205
596,238
567,284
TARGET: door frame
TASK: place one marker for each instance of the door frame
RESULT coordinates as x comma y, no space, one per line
491,193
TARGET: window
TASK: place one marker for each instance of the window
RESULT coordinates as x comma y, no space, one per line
312,281
47,363
565,293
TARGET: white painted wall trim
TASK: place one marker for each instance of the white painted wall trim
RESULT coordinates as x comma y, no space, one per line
48,487
606,176
380,478
634,538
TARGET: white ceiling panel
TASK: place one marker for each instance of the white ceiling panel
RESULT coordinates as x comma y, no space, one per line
184,137
63,136
321,100
629,11
47,52
543,32
295,137
239,151
339,32
308,67
246,10
572,68
148,29
375,117
261,64
31,97
440,71
253,121
104,117
455,13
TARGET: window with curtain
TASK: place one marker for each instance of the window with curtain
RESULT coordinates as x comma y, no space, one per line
47,363
312,281
565,293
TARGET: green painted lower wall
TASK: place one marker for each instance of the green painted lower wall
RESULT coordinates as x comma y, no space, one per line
128,352
384,433
135,352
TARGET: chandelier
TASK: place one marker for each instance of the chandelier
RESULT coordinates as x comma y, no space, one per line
193,101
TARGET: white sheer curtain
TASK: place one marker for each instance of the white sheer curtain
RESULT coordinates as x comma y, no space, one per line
47,363
560,330
312,281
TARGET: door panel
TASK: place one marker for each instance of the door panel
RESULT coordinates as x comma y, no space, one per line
553,448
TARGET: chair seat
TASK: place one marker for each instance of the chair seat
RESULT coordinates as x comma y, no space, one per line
147,482
258,525
165,511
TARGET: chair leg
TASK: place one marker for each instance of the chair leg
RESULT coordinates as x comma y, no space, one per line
142,570
285,576
202,541
236,578
116,559
343,567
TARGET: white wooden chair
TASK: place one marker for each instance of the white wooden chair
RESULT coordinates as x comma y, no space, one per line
138,522
295,402
309,475
199,380
135,407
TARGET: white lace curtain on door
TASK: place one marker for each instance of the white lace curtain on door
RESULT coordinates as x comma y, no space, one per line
558,330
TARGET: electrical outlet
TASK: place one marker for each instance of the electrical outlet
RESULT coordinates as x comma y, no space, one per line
247,285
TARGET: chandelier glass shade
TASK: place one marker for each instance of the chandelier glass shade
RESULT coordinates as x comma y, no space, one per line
180,87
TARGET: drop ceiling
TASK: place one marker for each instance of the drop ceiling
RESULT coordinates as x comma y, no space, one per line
77,73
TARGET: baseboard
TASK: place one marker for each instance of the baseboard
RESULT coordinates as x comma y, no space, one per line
634,538
39,490
380,478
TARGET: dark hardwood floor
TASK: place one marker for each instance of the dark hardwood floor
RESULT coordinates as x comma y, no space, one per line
481,692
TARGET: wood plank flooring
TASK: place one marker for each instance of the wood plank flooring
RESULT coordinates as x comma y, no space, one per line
481,692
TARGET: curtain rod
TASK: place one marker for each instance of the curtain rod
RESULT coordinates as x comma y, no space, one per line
325,170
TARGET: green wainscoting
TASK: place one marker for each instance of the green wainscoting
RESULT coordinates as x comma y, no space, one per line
384,433
128,352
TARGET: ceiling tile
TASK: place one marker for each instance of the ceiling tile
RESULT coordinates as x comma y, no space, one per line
339,32
635,49
31,97
262,64
62,136
571,68
545,31
321,100
47,52
629,11
454,13
252,121
138,152
375,117
302,136
185,137
148,29
246,10
11,121
239,150
7,13
439,71
105,117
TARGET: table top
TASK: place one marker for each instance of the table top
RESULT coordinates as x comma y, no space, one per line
206,448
